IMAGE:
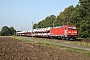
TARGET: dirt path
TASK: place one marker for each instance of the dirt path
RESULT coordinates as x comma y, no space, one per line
12,49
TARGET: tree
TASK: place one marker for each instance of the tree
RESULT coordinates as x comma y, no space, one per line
80,17
75,17
35,26
0,33
58,21
65,15
47,22
12,30
5,31
84,28
85,9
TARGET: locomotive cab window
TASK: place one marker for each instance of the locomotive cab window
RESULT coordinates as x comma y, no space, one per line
71,28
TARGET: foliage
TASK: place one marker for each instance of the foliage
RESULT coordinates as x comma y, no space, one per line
6,31
47,22
0,33
85,9
66,14
12,30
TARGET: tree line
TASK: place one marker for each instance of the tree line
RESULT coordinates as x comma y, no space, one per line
6,31
78,15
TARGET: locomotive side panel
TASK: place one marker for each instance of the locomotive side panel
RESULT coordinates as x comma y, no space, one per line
57,31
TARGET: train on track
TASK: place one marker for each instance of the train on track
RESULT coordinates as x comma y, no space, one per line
61,32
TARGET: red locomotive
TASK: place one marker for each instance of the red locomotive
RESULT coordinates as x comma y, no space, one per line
64,32
61,32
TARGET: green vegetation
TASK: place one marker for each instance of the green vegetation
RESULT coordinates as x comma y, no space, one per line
78,15
78,43
30,39
6,31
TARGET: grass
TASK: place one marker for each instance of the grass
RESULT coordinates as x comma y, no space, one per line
68,49
27,39
79,43
52,40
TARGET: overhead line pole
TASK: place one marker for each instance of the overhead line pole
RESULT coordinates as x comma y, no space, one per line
20,31
32,29
53,22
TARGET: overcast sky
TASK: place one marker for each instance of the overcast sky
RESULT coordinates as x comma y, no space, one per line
21,13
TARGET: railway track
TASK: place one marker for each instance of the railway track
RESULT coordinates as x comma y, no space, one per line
77,40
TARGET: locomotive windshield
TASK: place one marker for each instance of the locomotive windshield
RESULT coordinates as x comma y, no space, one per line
71,28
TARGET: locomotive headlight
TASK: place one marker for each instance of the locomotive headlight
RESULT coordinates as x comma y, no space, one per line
75,32
69,32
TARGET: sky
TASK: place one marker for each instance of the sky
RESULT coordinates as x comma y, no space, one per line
21,13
